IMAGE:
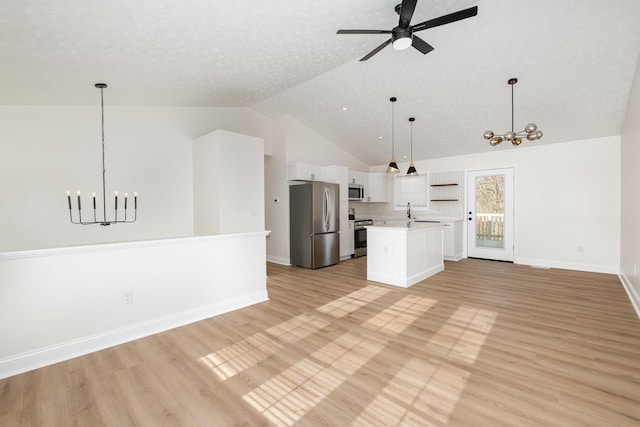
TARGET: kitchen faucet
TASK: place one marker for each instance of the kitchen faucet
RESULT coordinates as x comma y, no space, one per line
408,210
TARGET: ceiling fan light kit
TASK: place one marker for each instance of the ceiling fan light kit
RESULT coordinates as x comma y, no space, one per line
401,39
530,131
403,35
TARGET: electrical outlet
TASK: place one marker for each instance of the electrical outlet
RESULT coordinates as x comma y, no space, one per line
127,298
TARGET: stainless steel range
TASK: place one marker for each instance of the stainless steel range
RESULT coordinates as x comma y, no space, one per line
360,236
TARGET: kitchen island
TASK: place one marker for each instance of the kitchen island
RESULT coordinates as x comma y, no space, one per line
404,253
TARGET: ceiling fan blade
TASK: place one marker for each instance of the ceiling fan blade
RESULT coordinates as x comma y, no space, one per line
421,45
376,50
447,19
363,32
406,12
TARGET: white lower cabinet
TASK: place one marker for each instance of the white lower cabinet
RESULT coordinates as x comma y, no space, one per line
346,232
452,240
351,238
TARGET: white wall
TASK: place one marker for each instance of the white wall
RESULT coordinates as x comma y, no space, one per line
630,207
228,183
567,196
45,151
293,142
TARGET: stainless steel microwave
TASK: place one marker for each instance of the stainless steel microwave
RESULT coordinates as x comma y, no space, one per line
356,192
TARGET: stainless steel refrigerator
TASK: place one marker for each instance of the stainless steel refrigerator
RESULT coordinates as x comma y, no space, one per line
314,224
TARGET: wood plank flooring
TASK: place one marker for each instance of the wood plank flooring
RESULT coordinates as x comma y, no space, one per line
482,343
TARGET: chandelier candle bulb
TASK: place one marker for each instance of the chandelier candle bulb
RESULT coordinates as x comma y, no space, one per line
79,207
135,200
69,198
94,200
125,200
116,193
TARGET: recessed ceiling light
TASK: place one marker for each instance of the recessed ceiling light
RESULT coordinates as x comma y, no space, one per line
344,108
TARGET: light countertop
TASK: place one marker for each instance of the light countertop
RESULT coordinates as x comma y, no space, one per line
416,218
406,225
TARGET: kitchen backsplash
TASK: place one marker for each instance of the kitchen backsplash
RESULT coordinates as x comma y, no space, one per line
446,199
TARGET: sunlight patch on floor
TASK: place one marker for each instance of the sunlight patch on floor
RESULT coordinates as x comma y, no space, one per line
349,303
287,397
297,328
349,352
427,390
464,334
432,388
400,315
243,354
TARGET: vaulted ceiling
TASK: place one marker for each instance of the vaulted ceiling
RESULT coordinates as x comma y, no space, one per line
574,59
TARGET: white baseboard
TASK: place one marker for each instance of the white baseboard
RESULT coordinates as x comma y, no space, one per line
545,263
278,260
39,358
456,257
631,292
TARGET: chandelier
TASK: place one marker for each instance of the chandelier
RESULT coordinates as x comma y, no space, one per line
122,218
531,131
393,166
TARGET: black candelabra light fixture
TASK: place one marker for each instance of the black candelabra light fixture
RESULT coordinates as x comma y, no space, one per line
104,221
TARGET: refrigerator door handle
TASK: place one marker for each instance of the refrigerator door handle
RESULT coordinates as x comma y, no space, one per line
326,209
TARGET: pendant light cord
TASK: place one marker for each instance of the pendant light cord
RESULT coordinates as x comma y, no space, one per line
512,126
411,151
104,190
393,132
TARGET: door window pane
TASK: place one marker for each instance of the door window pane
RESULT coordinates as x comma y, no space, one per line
490,211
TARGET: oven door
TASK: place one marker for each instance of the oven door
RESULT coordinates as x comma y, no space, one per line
360,242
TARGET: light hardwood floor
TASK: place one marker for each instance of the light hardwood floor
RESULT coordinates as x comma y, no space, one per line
482,343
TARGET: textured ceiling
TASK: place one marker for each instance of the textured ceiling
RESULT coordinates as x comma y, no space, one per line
575,61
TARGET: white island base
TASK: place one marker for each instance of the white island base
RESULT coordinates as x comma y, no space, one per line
404,254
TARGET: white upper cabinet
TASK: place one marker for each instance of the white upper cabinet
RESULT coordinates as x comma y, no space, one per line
305,172
375,185
357,177
339,175
377,188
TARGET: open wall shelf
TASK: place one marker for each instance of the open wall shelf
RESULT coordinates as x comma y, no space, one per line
446,191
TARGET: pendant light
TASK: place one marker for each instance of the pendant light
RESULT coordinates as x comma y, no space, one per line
412,169
393,166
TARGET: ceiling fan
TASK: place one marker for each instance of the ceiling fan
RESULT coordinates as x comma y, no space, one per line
402,36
